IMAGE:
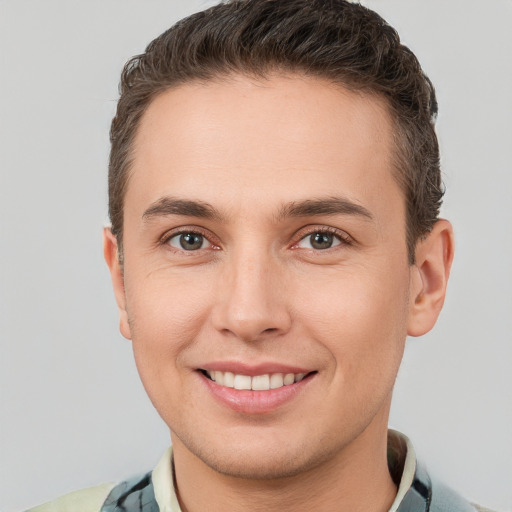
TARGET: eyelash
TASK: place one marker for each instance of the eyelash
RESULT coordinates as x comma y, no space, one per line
344,238
184,231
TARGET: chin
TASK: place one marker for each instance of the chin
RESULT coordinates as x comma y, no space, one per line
268,467
259,459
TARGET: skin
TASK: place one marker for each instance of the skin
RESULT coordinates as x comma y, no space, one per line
257,291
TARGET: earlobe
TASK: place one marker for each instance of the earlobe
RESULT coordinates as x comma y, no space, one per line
429,278
111,254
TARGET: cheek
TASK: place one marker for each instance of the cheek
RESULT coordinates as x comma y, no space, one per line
361,317
166,315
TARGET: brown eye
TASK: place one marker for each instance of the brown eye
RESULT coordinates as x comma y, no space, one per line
319,240
188,241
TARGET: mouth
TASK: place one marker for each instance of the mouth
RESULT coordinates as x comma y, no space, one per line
255,389
263,382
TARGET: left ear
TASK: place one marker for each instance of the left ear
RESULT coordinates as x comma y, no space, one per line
429,277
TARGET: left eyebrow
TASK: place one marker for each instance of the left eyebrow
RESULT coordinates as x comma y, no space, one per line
323,206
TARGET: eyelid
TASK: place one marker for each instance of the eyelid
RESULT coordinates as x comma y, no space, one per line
164,239
344,237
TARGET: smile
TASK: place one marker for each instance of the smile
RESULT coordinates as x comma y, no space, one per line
263,382
255,389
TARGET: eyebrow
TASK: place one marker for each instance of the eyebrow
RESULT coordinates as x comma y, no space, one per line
324,206
173,206
170,205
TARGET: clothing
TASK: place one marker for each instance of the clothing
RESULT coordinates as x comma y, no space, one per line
154,491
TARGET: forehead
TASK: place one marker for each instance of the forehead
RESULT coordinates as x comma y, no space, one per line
287,137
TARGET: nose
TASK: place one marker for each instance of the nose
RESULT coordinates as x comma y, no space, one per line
251,299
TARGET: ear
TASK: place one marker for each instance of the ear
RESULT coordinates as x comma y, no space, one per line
111,253
429,277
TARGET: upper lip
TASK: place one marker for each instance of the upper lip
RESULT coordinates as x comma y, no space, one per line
251,370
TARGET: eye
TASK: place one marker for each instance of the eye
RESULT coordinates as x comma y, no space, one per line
188,241
320,240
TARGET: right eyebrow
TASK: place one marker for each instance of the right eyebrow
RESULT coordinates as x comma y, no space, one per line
169,205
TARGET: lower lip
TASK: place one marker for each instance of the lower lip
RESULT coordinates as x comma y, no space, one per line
255,402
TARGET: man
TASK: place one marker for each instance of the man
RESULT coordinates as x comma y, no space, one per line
274,191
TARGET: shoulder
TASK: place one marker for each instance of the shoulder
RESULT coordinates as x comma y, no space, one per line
84,500
428,494
128,495
445,499
135,494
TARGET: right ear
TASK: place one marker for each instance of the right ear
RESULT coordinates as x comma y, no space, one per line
111,253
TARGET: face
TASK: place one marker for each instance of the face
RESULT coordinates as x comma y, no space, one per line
266,277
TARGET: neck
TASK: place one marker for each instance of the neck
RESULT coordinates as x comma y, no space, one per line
356,479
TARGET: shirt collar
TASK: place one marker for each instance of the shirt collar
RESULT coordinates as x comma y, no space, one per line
401,454
164,484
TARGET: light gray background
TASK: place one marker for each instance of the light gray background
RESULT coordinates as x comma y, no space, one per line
73,411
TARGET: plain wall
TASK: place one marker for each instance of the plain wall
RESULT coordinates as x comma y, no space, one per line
73,412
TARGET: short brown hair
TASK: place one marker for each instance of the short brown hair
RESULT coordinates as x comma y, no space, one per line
337,40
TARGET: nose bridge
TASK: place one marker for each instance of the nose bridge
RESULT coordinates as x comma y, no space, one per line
251,304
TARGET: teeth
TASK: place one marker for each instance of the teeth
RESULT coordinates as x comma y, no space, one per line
229,379
256,383
288,379
276,381
260,382
242,382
